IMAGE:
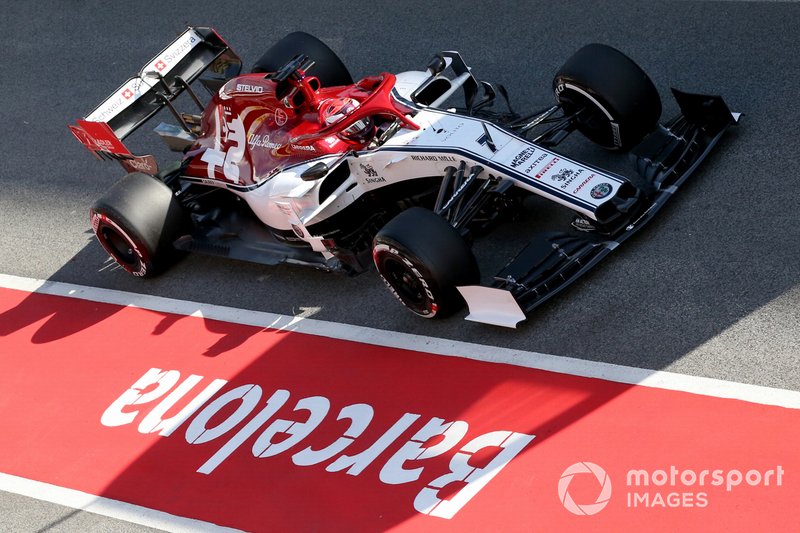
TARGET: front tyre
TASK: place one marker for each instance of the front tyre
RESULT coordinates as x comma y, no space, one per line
137,221
422,259
620,104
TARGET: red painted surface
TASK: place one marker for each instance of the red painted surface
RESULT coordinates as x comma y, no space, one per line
248,131
66,363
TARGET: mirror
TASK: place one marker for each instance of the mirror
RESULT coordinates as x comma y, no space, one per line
320,170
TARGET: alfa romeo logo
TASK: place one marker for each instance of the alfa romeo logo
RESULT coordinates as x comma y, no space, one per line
601,191
585,509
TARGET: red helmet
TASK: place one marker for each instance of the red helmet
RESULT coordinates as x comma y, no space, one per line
335,110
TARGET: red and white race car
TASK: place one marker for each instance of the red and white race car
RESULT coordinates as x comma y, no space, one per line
297,163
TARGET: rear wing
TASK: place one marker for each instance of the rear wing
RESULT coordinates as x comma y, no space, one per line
197,51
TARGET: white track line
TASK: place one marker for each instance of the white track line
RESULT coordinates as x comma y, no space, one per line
105,506
565,365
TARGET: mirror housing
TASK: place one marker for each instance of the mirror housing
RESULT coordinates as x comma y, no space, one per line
318,171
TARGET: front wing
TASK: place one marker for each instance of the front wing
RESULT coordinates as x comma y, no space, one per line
552,261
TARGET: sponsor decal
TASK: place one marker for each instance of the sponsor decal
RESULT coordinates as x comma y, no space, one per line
175,52
99,136
118,101
280,117
571,177
371,173
109,109
146,164
450,133
173,55
486,139
547,167
303,148
535,163
447,158
582,224
601,190
523,156
257,140
368,170
219,415
290,150
616,134
104,144
245,88
134,87
583,184
562,174
96,218
456,195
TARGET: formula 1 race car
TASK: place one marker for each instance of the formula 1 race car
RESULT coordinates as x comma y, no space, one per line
297,163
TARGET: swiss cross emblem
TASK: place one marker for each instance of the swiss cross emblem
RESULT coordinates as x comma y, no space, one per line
160,65
127,93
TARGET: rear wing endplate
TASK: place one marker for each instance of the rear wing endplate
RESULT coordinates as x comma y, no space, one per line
196,51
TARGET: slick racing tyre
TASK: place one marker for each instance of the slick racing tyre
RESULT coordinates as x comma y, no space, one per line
137,221
423,259
328,68
620,104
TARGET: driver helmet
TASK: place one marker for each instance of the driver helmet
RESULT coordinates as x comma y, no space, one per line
334,110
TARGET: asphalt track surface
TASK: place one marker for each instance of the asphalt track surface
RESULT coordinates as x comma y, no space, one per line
709,289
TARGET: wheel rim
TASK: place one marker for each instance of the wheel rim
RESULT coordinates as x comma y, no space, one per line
407,285
592,119
120,247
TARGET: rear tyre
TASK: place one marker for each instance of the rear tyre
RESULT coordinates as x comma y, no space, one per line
422,259
328,68
137,221
621,104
